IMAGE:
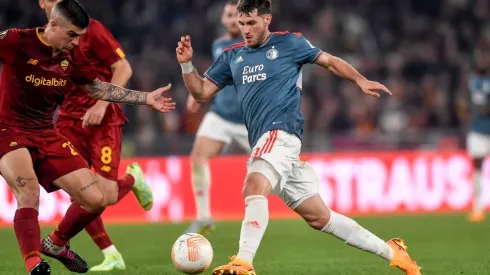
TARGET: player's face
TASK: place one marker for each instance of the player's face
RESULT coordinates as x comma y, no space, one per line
47,6
254,27
64,36
229,19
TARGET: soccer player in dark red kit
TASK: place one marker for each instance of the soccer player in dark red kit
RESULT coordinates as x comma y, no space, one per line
38,66
94,127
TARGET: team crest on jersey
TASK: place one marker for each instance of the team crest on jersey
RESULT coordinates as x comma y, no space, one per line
272,54
3,34
64,64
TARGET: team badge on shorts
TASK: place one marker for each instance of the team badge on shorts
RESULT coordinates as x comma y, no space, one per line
64,64
272,54
3,34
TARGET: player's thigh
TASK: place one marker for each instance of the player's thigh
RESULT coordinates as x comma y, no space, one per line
75,134
17,169
240,135
478,145
105,146
303,183
84,187
205,148
276,151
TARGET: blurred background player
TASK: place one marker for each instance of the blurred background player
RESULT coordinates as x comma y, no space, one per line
94,127
264,70
478,139
220,126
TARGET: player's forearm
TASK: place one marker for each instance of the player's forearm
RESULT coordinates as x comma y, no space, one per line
195,85
121,73
339,67
343,69
113,93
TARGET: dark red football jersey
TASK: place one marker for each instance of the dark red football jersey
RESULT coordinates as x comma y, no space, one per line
33,82
101,50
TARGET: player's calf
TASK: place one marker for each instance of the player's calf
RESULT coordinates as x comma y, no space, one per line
320,217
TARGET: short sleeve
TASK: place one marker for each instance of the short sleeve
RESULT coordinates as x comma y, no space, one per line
304,51
9,45
84,73
217,49
103,44
220,73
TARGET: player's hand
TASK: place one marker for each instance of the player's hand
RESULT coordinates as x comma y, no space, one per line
94,114
157,101
192,105
370,87
184,49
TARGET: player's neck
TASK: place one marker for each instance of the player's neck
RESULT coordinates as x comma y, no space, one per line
267,34
44,38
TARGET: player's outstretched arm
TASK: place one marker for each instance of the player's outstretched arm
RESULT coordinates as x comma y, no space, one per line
343,69
201,89
113,93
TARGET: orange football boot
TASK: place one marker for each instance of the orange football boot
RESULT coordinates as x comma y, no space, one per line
401,259
236,267
476,216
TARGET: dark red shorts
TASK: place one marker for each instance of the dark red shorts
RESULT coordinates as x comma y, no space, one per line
52,154
99,145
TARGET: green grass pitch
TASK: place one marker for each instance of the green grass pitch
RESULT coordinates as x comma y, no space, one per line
442,245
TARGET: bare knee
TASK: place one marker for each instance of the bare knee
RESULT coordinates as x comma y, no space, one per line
256,184
317,222
94,204
314,211
199,158
94,198
110,189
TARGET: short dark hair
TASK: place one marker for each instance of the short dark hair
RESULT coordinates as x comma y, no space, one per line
249,6
74,12
232,2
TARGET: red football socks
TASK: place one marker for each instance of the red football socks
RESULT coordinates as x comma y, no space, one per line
97,231
125,184
28,234
74,221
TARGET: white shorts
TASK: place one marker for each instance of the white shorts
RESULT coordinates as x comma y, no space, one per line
293,180
478,144
216,128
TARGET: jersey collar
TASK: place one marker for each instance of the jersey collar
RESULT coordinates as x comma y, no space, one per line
38,31
263,43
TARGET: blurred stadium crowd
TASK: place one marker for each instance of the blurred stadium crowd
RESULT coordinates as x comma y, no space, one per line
424,51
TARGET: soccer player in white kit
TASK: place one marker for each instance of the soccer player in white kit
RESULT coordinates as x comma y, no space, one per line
264,70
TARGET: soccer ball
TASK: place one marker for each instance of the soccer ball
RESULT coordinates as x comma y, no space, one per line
192,253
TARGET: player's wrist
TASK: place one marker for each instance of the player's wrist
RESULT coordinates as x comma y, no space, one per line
187,67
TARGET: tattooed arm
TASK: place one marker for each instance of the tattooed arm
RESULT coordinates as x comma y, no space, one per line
113,93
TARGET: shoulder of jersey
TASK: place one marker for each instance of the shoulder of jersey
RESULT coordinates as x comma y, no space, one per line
287,34
235,46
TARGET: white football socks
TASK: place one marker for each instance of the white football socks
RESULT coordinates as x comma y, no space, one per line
477,189
109,250
355,235
253,226
201,183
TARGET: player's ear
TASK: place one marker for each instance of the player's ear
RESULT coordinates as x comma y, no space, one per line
268,19
41,4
